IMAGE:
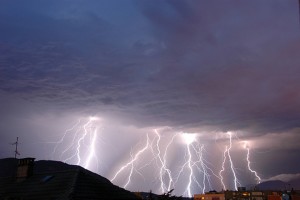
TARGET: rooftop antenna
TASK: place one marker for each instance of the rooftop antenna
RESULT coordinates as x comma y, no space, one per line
16,150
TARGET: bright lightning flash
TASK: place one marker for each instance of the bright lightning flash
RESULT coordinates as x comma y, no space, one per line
79,142
246,146
195,159
164,170
227,154
132,162
78,146
189,139
195,167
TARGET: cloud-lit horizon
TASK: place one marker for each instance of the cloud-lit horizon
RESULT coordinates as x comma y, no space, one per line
205,67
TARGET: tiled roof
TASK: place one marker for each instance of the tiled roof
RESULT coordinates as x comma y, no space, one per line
90,185
70,184
35,188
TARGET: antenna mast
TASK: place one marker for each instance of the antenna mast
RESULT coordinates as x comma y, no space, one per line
16,150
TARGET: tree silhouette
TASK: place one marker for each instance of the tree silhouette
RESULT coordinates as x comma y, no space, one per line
168,195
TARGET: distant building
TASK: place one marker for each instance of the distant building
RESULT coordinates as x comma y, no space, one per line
295,195
245,195
210,196
274,196
76,184
241,194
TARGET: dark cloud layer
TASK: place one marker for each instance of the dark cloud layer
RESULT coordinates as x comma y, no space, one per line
202,63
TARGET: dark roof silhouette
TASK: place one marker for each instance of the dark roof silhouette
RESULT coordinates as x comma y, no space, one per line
73,183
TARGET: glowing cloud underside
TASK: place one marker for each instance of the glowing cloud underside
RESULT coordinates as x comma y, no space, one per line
189,138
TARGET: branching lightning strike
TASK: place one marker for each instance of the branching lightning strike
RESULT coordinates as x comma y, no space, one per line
131,162
82,148
164,170
78,146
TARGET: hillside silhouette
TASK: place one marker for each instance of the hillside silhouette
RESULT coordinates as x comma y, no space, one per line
279,185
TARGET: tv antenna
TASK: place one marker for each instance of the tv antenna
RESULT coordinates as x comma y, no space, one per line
16,150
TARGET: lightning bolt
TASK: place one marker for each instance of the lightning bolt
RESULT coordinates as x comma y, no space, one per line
92,153
223,168
165,176
59,142
78,145
189,163
236,181
131,163
84,138
188,139
227,154
249,163
163,161
203,167
194,158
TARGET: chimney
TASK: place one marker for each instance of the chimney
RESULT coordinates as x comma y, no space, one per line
25,168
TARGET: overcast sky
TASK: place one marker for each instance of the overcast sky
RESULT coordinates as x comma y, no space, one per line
198,66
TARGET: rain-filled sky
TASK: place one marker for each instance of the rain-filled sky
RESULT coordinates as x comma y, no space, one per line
193,95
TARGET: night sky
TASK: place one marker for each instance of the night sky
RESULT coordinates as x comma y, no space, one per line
156,69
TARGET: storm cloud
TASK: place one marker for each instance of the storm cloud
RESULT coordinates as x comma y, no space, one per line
190,65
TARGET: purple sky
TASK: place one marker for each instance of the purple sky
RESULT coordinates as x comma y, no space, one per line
198,66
